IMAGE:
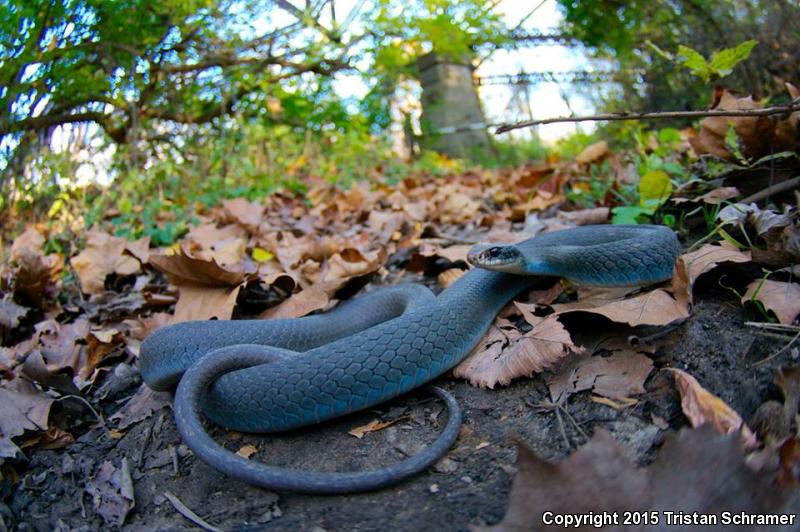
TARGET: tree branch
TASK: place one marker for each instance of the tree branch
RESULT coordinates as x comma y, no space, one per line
767,111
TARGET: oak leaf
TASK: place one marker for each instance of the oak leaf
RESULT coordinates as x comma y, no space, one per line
783,299
105,254
505,354
701,406
690,266
695,471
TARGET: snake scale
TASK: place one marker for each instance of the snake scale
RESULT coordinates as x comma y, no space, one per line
277,375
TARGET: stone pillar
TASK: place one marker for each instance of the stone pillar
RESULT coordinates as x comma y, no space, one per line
452,119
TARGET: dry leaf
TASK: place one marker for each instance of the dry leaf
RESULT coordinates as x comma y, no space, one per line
427,256
105,254
597,215
616,376
248,214
112,492
35,276
783,299
374,426
695,471
11,313
449,276
655,307
22,409
141,406
755,132
592,153
701,406
246,451
504,355
692,265
183,269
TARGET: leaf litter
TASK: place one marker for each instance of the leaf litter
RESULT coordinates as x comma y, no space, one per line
283,257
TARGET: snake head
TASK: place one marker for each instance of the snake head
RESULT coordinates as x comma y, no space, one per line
497,257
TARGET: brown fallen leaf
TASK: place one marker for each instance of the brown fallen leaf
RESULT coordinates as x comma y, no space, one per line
112,492
105,254
248,214
375,425
754,132
701,406
340,269
246,451
182,269
505,354
712,197
616,376
655,307
140,406
592,153
35,277
427,255
56,355
207,290
597,215
783,299
695,471
11,313
449,276
22,408
691,266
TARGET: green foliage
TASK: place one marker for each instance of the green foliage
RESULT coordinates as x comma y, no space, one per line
242,158
721,63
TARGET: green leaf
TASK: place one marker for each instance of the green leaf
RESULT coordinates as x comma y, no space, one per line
695,62
261,255
655,188
722,62
629,215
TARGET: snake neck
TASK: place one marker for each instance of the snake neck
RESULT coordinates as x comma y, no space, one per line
486,289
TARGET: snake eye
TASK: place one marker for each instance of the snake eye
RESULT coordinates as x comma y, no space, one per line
493,252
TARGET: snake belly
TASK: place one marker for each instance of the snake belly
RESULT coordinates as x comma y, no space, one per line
397,355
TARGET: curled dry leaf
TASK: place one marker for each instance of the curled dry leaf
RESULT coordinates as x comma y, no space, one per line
655,307
701,406
35,276
505,354
374,426
754,132
141,406
783,299
617,376
712,197
248,214
592,153
426,257
105,254
340,269
112,492
207,290
692,265
11,313
21,408
246,451
695,471
598,215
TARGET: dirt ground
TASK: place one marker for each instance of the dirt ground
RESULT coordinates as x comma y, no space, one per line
469,487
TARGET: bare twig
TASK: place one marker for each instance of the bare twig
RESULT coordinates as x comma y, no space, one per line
778,352
778,188
767,111
188,514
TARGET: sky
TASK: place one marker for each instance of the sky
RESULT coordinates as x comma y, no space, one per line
547,99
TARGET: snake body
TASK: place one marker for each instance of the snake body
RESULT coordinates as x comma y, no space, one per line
278,375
